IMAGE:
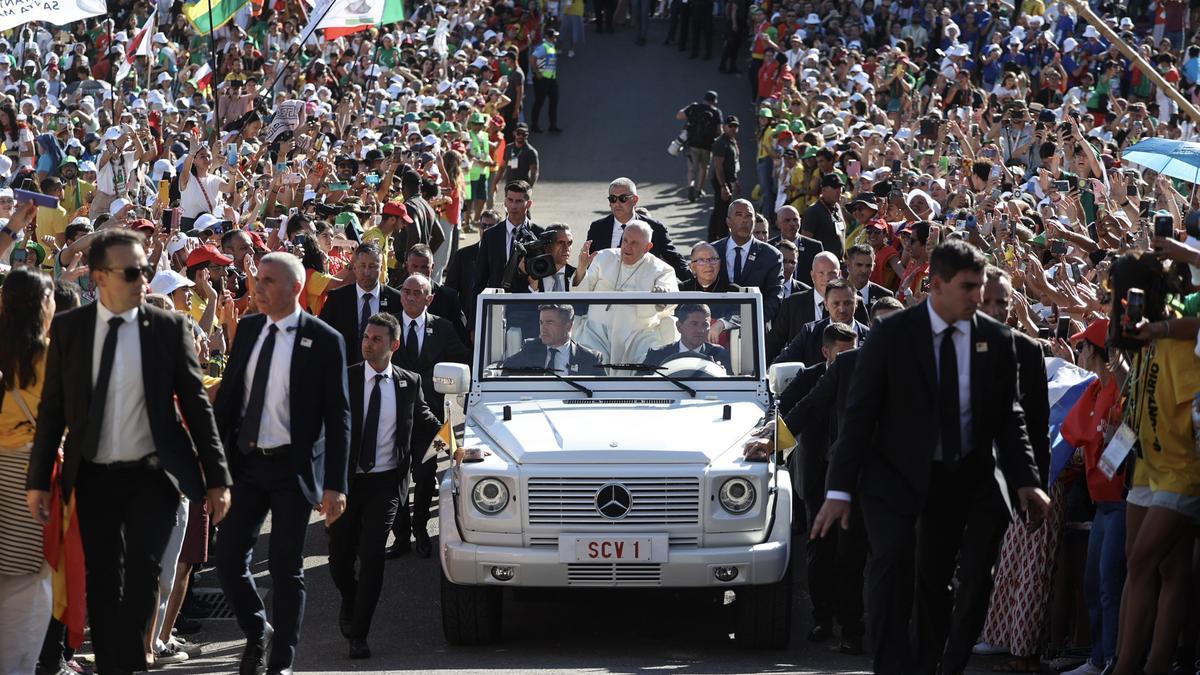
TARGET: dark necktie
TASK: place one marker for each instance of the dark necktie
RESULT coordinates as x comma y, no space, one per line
366,314
411,349
366,449
821,309
552,358
948,398
737,264
108,353
252,418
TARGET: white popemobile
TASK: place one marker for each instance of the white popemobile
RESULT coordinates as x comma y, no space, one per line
575,472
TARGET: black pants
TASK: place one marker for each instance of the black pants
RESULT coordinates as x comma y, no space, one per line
901,543
752,76
54,648
717,225
836,561
702,28
605,9
125,519
545,88
262,485
733,46
360,534
424,486
681,21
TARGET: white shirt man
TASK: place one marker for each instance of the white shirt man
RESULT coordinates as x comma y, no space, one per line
406,323
275,429
125,434
385,436
372,305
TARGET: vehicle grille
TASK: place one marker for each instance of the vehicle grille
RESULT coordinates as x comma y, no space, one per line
610,574
606,401
675,541
572,501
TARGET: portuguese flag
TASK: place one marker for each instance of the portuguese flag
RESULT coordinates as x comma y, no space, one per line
209,15
339,18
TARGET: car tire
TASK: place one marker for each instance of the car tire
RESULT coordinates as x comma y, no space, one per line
764,614
470,614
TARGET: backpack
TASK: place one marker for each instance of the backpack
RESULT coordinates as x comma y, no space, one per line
703,125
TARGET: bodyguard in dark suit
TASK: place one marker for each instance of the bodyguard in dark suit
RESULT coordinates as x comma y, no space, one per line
444,301
693,322
426,341
496,243
983,540
622,202
840,303
746,261
347,309
387,410
860,262
932,442
807,248
115,370
802,308
283,413
460,270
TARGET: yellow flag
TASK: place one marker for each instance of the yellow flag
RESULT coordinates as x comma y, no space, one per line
784,440
444,441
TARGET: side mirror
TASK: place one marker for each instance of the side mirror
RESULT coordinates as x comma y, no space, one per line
781,375
451,378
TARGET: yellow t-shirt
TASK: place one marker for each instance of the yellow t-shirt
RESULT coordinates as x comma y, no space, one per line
376,236
51,222
199,304
314,290
15,429
1163,381
1033,8
76,198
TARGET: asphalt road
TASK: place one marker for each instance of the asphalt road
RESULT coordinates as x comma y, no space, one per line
617,109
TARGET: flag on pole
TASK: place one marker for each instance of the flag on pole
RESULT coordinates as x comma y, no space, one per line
140,45
339,18
202,79
1065,384
222,12
444,441
784,439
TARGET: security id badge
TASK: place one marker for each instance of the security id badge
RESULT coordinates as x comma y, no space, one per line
1117,450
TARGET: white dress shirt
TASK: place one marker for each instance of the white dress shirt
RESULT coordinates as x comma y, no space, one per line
730,246
962,352
818,305
559,362
385,436
509,228
125,431
421,322
374,302
619,230
787,288
275,429
865,294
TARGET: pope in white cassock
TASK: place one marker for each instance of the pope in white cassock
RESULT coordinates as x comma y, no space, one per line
626,332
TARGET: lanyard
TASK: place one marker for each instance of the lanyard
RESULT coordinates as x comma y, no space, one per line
204,193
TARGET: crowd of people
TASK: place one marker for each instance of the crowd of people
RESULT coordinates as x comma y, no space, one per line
264,201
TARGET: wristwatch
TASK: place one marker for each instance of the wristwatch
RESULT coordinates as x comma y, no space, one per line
5,229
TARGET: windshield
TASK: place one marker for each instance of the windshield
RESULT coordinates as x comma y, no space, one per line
595,335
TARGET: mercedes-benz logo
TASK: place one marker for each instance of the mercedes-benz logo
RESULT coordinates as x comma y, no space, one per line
613,501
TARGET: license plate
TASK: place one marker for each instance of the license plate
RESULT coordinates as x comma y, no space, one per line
608,549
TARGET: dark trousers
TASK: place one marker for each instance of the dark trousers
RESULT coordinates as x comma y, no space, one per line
835,561
733,46
717,225
702,28
605,9
360,534
545,88
960,500
752,76
125,519
262,485
424,478
54,647
680,21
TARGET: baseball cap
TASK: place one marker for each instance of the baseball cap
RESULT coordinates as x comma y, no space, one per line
118,205
142,225
831,180
866,199
1096,333
397,209
205,221
167,282
207,253
710,95
732,120
178,242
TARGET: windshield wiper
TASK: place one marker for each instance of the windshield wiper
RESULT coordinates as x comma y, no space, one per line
648,368
539,370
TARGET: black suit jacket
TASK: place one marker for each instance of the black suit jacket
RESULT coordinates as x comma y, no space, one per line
192,457
1035,399
447,305
533,355
763,267
806,346
890,426
794,313
807,249
460,275
341,312
319,411
715,353
416,425
600,234
492,257
820,409
862,313
441,343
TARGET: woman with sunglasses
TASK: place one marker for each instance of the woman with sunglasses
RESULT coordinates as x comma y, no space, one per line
26,308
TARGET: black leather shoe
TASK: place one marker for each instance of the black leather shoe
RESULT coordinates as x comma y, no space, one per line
399,550
359,649
346,618
186,626
253,658
820,632
423,546
851,645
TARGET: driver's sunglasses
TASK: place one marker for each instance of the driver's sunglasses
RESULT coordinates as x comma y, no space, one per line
132,273
613,199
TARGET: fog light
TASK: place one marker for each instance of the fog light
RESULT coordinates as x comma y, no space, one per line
721,573
507,573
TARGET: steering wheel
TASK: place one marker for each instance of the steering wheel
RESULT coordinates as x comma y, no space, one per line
687,364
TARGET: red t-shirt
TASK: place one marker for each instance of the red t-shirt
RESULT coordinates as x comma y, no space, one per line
1084,428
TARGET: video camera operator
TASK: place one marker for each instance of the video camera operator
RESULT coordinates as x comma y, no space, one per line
497,245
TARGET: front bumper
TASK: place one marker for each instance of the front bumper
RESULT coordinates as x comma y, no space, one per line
763,563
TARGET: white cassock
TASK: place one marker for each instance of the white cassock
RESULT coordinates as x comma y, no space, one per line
624,333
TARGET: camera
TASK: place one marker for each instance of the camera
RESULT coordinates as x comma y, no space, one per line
534,249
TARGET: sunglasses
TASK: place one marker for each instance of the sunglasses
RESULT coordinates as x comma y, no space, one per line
132,273
613,199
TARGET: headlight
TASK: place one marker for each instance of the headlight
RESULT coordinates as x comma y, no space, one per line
489,496
737,495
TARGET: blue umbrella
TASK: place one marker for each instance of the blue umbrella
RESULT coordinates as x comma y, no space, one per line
1177,159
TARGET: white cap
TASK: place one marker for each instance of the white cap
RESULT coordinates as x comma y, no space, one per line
1069,45
168,281
1126,23
1091,32
112,134
82,220
6,192
812,19
178,242
5,168
160,39
162,168
87,166
118,205
205,221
